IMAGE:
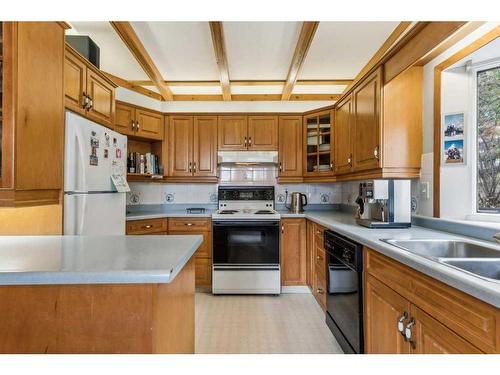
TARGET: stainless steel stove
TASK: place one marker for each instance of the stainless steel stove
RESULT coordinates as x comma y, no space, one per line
246,248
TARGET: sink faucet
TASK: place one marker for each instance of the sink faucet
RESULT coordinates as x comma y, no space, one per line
496,237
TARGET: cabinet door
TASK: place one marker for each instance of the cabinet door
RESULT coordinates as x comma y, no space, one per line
74,81
343,139
367,103
125,119
432,337
263,133
293,252
102,94
383,309
203,272
149,124
290,146
232,133
205,146
180,140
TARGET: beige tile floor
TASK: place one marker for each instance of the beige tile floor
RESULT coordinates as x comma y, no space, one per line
290,323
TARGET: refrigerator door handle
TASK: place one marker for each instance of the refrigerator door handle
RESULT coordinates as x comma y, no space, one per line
82,214
81,153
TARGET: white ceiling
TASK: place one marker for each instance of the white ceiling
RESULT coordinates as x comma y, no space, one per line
339,50
183,51
260,50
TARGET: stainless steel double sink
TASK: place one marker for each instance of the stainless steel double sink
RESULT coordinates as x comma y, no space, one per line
478,260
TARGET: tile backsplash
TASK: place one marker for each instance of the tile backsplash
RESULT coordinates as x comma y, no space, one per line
157,193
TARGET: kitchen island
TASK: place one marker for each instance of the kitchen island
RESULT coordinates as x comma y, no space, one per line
97,294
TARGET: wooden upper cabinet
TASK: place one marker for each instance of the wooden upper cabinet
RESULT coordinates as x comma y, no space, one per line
383,309
125,119
149,124
232,133
262,133
180,141
343,136
205,146
367,116
75,81
87,90
32,105
290,147
102,96
293,252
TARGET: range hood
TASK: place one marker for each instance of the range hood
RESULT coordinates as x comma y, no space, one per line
247,157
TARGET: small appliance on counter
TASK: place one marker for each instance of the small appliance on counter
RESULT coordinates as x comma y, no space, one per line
384,204
297,202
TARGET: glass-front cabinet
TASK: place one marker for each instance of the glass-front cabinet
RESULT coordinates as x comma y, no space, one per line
318,147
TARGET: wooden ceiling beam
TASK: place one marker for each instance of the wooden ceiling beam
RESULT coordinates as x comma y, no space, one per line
257,97
133,43
302,82
129,85
305,39
217,31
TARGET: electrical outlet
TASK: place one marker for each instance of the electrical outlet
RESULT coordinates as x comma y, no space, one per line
425,190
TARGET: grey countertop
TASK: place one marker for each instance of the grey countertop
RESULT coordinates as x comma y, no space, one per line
94,259
345,224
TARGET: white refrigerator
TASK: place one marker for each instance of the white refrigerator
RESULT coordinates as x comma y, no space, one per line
92,154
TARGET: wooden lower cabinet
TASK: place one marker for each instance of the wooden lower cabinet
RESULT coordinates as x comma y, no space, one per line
383,309
293,252
441,319
182,226
316,262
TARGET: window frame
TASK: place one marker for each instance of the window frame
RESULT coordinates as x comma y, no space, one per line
475,215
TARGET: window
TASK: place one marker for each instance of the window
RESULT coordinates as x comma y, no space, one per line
488,141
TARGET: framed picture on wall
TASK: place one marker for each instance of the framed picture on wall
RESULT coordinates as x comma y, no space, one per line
453,138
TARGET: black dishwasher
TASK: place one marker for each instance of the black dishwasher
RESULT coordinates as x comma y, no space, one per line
344,301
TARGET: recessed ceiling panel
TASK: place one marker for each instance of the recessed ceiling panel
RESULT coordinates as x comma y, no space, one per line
115,58
340,50
260,50
180,50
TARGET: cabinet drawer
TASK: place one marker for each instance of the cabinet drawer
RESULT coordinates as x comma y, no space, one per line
203,272
320,289
472,319
205,249
318,235
148,226
187,224
320,261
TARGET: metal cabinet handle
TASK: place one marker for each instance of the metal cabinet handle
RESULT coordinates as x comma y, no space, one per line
194,167
349,160
282,229
133,125
147,226
401,324
246,141
409,333
190,168
189,224
319,257
137,125
280,167
320,291
91,103
331,166
375,153
250,142
85,100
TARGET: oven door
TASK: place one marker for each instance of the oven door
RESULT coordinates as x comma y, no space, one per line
343,302
246,243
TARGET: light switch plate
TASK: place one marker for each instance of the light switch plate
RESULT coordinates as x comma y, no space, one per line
424,190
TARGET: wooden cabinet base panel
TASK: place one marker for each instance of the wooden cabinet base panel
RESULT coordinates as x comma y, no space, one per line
20,198
120,318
